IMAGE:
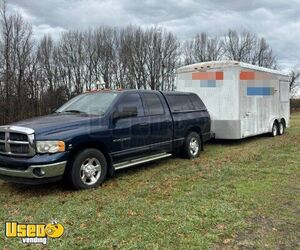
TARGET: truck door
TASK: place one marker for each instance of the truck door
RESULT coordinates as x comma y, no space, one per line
161,124
131,134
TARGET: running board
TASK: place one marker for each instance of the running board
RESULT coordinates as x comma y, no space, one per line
134,162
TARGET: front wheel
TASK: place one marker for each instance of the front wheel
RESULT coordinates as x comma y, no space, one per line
192,145
88,169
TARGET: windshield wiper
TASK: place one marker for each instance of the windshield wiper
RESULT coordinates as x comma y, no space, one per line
75,111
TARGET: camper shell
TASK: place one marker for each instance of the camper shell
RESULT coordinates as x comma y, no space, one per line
243,100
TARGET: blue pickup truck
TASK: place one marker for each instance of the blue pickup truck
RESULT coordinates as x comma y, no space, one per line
96,133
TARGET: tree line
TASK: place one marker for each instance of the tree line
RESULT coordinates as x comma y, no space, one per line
37,76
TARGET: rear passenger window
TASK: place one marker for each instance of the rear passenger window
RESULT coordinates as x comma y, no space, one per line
197,102
154,104
180,103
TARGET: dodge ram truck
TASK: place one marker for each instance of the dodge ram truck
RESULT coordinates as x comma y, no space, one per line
96,133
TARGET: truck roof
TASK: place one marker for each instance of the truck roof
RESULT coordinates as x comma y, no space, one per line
175,92
225,64
119,91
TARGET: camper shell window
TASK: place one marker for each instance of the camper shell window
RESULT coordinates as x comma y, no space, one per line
197,102
184,102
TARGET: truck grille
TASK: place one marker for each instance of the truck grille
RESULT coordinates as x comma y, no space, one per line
18,137
2,147
16,141
2,136
19,149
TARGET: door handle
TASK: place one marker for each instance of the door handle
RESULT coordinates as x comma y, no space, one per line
143,124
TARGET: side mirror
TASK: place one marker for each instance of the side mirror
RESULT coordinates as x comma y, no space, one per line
125,113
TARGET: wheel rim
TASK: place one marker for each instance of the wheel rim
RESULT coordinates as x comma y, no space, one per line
281,128
274,130
194,146
90,171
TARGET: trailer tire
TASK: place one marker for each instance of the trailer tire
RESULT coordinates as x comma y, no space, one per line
281,128
192,145
274,129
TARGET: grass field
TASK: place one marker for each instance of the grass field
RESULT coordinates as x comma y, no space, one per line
237,195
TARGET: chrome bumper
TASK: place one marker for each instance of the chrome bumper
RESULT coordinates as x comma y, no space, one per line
50,170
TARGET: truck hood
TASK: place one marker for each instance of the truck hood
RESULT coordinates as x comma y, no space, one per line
58,123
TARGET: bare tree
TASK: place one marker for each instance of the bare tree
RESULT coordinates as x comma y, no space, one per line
135,43
244,47
105,54
6,69
239,47
202,48
170,61
162,56
70,55
294,82
124,64
188,52
263,55
16,49
45,56
89,58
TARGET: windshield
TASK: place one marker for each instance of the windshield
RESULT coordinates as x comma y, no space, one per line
90,104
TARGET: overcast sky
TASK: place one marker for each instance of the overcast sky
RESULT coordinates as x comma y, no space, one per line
277,20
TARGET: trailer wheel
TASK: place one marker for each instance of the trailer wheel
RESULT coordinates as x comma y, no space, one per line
87,170
274,129
192,145
281,129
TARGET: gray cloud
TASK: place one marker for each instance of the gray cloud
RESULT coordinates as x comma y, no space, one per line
278,21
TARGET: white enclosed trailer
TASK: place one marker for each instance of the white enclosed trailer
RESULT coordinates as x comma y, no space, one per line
243,100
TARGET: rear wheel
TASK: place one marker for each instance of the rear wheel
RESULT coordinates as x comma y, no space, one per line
88,169
192,145
281,129
274,129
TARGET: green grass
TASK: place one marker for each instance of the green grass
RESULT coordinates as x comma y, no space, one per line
237,195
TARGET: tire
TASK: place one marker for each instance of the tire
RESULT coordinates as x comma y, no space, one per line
281,128
87,170
274,129
192,145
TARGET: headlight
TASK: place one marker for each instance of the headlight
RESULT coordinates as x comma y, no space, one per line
50,146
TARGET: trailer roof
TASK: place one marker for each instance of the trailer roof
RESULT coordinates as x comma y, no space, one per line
222,64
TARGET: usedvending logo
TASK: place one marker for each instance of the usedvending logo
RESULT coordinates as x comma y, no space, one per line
34,233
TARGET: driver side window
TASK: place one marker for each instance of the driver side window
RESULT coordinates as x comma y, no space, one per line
131,100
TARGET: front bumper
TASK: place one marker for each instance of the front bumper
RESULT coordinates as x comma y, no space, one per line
36,171
41,168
